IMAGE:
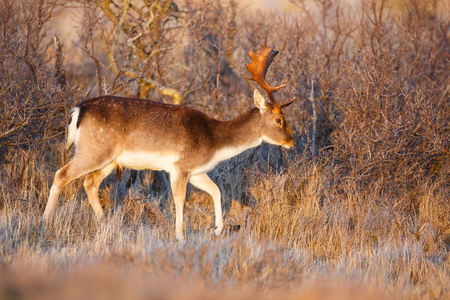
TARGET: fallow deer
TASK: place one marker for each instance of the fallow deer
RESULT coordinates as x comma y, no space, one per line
114,132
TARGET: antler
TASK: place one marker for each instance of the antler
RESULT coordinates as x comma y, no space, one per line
258,68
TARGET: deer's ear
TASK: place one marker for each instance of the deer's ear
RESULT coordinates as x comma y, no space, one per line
260,102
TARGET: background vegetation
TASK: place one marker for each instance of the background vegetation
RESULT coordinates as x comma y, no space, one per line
360,209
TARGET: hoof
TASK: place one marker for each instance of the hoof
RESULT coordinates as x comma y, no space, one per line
218,230
180,238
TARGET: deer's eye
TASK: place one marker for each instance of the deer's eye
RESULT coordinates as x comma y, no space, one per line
279,121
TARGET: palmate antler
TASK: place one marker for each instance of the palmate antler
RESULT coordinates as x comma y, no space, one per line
258,68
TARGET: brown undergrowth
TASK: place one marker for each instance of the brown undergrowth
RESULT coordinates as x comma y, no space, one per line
359,209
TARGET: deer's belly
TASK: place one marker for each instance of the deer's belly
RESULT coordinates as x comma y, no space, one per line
147,160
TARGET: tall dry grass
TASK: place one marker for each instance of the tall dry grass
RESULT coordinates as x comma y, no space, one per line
360,209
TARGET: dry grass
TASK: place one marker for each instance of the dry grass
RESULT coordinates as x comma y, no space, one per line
360,209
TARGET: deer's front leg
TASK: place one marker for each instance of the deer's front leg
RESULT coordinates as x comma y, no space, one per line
203,182
178,182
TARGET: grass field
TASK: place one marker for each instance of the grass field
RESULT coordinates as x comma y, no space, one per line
359,209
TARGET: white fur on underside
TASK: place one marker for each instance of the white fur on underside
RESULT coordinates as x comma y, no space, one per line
147,160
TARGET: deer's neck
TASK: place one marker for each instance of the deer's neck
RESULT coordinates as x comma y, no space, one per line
237,135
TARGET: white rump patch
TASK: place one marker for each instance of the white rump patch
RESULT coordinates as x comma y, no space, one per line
72,132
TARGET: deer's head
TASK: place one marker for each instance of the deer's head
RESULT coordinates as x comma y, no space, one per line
274,127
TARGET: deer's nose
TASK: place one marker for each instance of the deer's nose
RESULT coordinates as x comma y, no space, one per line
289,144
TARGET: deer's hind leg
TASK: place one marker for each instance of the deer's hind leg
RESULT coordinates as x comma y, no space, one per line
73,170
92,183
